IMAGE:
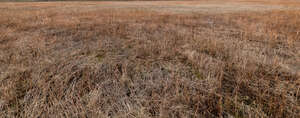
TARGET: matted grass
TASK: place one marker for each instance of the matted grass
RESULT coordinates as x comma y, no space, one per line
106,59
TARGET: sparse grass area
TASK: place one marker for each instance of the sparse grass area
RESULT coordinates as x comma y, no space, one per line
64,61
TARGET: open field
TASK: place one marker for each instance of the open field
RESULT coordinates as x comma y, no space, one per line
150,59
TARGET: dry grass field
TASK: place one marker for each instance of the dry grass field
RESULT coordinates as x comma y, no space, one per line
150,59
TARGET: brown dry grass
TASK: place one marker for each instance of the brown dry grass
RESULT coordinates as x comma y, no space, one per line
64,61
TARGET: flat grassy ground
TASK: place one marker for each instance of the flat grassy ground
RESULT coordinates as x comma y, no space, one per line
150,59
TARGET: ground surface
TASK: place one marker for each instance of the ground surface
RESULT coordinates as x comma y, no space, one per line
150,59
